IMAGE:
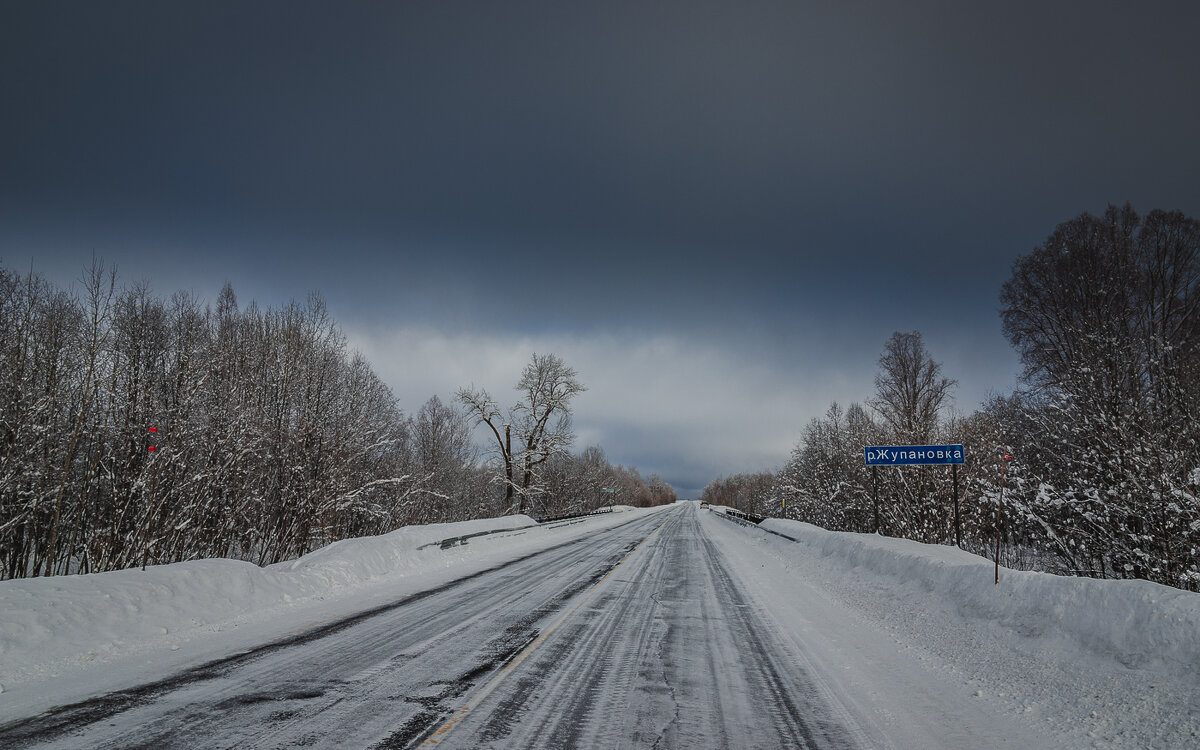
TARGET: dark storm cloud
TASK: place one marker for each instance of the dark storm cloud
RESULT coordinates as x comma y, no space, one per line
671,123
794,180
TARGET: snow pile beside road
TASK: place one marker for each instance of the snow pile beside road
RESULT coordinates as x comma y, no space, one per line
82,618
1137,623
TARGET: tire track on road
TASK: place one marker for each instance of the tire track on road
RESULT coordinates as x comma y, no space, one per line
669,654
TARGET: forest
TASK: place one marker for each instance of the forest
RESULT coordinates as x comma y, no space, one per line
137,429
1104,432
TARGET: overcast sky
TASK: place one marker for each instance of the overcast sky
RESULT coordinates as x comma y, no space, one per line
716,212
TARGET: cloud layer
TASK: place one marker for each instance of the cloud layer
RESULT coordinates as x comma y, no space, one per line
716,213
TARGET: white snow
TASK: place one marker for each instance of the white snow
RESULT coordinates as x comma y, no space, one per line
914,641
1075,663
1138,624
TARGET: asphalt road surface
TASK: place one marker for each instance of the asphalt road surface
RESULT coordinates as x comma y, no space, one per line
634,637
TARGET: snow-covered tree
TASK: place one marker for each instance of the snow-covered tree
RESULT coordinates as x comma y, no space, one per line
1106,317
826,482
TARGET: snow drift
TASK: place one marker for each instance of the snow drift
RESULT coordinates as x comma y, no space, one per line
1138,623
87,615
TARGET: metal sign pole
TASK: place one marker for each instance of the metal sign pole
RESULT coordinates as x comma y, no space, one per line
957,524
875,487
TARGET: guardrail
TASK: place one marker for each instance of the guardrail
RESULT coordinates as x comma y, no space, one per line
735,519
745,516
749,519
454,541
569,516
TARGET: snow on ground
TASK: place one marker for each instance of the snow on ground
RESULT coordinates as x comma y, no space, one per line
65,638
1138,624
914,641
923,630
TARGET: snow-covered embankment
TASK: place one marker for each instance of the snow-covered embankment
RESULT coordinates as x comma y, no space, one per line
1137,623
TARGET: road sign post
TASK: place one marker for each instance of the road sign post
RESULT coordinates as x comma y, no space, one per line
957,525
915,455
153,438
875,495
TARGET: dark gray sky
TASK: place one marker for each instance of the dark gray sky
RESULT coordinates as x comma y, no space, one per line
717,212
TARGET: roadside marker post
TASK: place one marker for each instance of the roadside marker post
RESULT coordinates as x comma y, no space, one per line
150,449
875,495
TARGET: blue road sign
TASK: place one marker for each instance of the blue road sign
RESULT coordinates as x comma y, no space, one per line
907,455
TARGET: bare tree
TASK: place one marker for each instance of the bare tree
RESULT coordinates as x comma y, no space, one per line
444,457
270,437
480,405
99,288
910,389
543,418
542,421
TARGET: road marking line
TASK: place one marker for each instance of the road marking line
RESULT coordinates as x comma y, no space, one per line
486,690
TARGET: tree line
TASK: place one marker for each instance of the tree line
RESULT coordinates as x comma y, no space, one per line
1105,429
270,436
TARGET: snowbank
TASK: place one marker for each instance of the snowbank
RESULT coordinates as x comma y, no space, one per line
1137,623
48,617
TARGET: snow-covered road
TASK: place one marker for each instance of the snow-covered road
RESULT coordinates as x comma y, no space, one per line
663,652
672,628
634,637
